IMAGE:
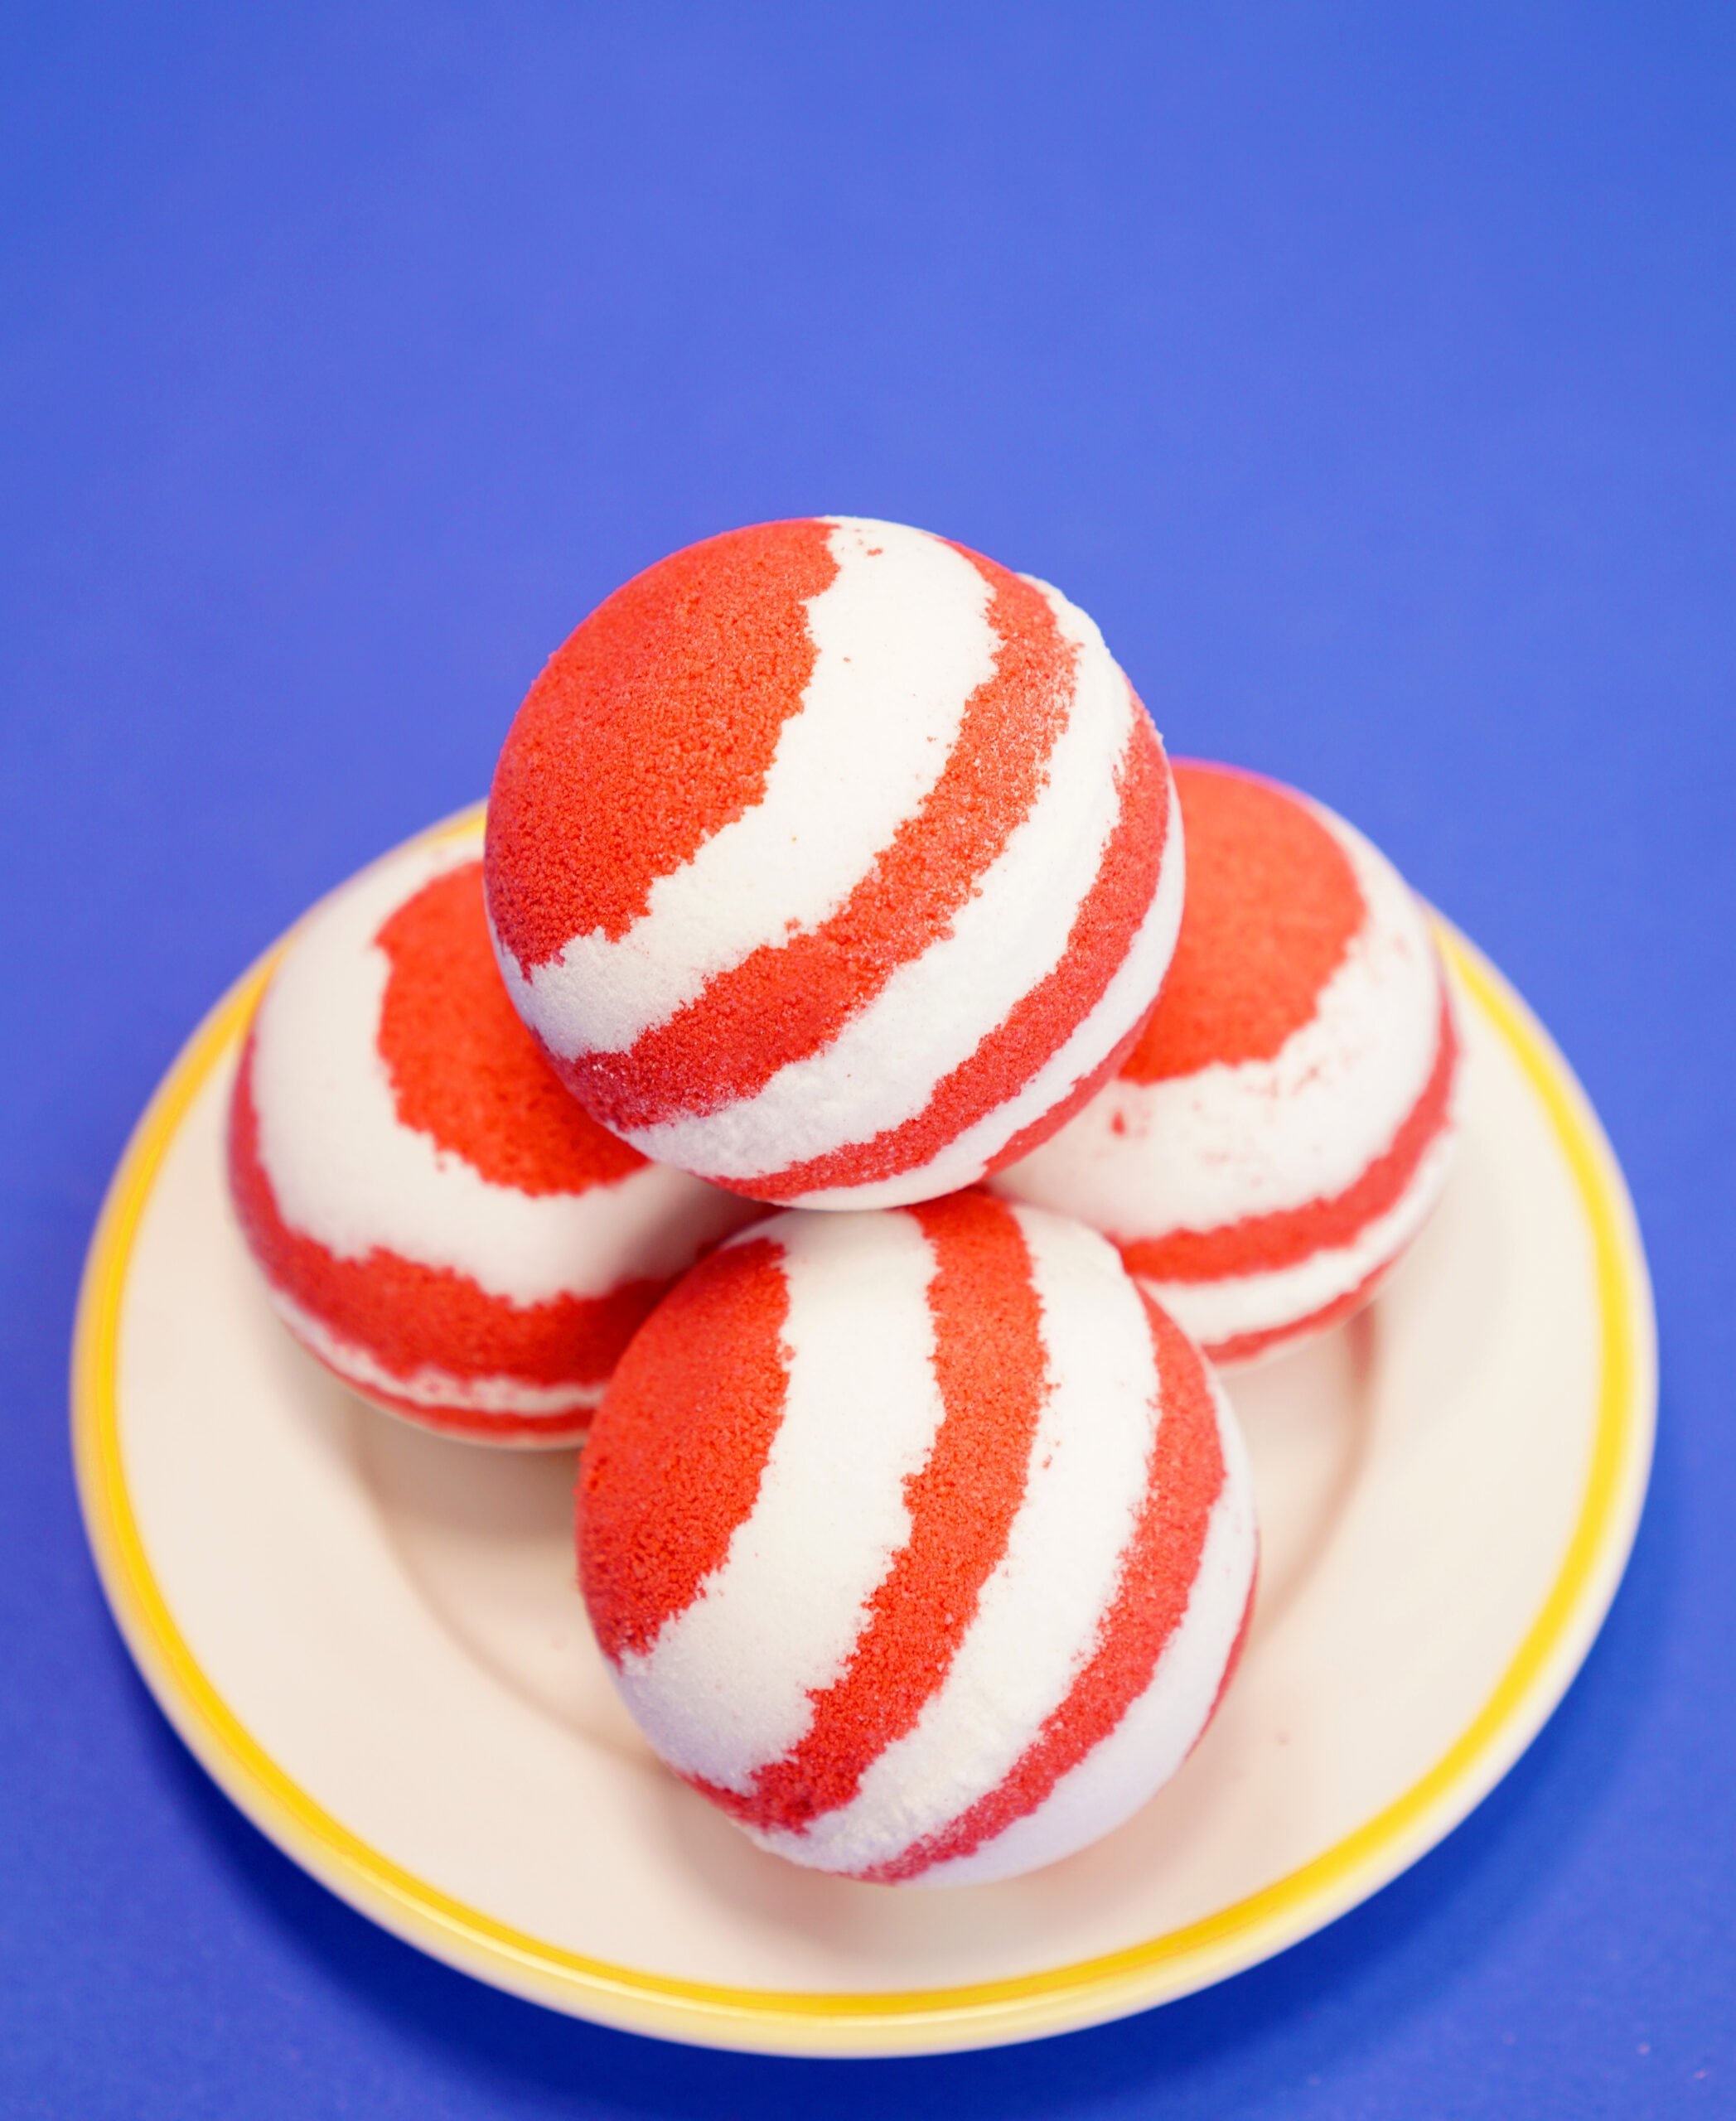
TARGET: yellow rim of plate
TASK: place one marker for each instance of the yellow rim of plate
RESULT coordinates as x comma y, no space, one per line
890,2022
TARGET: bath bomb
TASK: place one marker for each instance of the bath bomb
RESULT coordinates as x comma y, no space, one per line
834,862
918,1539
1286,1121
436,1219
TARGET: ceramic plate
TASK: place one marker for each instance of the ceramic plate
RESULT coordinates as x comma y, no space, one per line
372,1639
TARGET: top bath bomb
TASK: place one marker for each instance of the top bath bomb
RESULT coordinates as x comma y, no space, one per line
834,862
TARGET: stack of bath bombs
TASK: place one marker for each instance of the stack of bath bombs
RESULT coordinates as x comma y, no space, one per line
831,873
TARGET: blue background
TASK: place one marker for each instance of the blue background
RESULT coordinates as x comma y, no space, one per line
1368,374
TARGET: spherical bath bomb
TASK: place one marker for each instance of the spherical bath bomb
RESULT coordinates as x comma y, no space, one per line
436,1219
919,1539
832,862
1286,1121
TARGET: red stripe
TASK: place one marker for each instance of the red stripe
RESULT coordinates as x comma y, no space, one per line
652,729
463,1068
1273,903
569,1427
1041,1021
1258,1243
407,1316
990,1365
1083,1091
1185,1478
1241,1347
680,1444
1236,1648
790,1000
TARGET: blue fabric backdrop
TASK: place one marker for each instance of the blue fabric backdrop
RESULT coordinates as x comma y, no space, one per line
1367,373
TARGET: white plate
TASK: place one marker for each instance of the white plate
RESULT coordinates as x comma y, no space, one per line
372,1639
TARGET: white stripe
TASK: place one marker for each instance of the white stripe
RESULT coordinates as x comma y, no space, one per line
962,1161
343,1170
428,1386
902,641
1160,1728
1200,1151
1039,1614
1215,1312
936,1008
727,1686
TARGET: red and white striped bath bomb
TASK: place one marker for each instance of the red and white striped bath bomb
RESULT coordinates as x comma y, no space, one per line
436,1219
1286,1121
918,1539
832,862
